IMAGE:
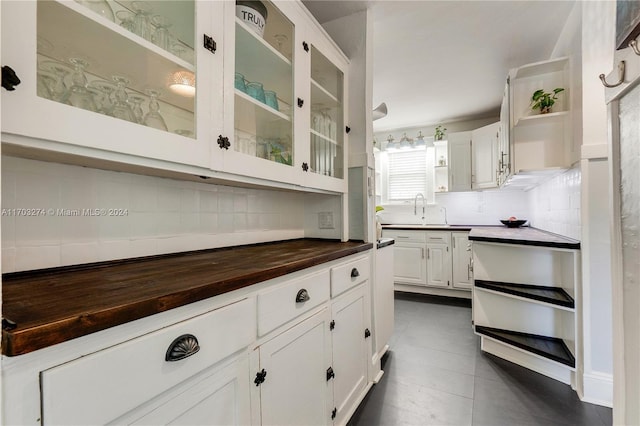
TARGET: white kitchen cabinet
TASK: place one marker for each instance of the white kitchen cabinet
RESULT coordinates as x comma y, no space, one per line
222,131
504,143
349,336
462,266
383,303
459,145
540,144
438,259
54,109
484,156
524,306
146,377
426,259
292,375
409,254
301,139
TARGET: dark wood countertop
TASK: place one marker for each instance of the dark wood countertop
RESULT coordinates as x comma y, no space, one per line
524,236
50,306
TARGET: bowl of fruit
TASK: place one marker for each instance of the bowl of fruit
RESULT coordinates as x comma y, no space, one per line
513,222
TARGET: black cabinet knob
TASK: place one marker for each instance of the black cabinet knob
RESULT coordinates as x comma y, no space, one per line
305,46
355,273
300,102
305,167
223,142
9,78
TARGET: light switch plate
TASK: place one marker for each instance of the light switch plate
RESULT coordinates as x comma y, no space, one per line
325,220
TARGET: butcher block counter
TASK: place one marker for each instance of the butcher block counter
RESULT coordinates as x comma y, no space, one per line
45,307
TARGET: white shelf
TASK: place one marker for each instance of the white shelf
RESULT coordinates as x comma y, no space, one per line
258,119
260,62
320,95
261,105
325,74
323,137
542,67
109,49
541,118
524,299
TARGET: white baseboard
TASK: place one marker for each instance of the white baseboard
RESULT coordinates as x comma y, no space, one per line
598,389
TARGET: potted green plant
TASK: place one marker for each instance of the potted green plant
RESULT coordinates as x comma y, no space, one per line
543,101
439,134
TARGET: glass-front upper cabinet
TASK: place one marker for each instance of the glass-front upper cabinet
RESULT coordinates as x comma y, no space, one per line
263,139
327,117
132,77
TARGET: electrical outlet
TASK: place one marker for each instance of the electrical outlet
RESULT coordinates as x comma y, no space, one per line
325,220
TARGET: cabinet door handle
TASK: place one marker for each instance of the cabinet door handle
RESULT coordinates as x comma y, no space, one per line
422,252
182,347
210,44
355,273
223,142
305,46
402,236
300,102
302,296
9,78
428,253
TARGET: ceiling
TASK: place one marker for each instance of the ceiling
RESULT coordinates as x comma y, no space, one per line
444,61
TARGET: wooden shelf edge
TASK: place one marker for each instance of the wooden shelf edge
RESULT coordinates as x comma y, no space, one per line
511,338
525,291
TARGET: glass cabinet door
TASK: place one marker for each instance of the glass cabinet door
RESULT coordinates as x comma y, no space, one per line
110,77
263,83
327,117
130,60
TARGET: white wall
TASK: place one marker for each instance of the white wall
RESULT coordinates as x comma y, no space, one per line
162,215
462,208
555,205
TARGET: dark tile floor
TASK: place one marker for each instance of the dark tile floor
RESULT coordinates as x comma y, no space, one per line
436,374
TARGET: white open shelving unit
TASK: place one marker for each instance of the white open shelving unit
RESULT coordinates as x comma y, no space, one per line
524,305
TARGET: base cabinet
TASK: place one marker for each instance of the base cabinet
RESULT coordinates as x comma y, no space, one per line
292,375
431,260
462,261
349,339
295,350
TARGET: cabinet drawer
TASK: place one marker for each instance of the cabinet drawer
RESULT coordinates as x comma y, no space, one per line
100,387
348,275
405,235
282,304
439,237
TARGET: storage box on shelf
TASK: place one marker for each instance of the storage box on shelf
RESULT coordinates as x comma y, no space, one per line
539,142
524,305
213,125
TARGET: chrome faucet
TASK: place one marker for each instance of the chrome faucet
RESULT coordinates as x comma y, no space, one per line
415,204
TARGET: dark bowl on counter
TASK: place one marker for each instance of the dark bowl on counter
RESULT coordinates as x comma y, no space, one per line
513,223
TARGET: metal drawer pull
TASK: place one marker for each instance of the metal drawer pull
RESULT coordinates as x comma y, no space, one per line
182,347
355,273
302,296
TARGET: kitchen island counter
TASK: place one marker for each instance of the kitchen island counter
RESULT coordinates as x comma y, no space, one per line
45,307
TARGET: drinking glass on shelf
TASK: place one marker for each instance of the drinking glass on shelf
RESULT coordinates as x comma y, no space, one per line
136,106
161,36
60,72
78,95
184,132
178,49
280,39
45,82
153,117
126,18
239,82
316,119
256,91
101,7
104,99
271,99
121,108
142,25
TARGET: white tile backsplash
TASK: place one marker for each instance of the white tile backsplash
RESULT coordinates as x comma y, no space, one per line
555,204
163,215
